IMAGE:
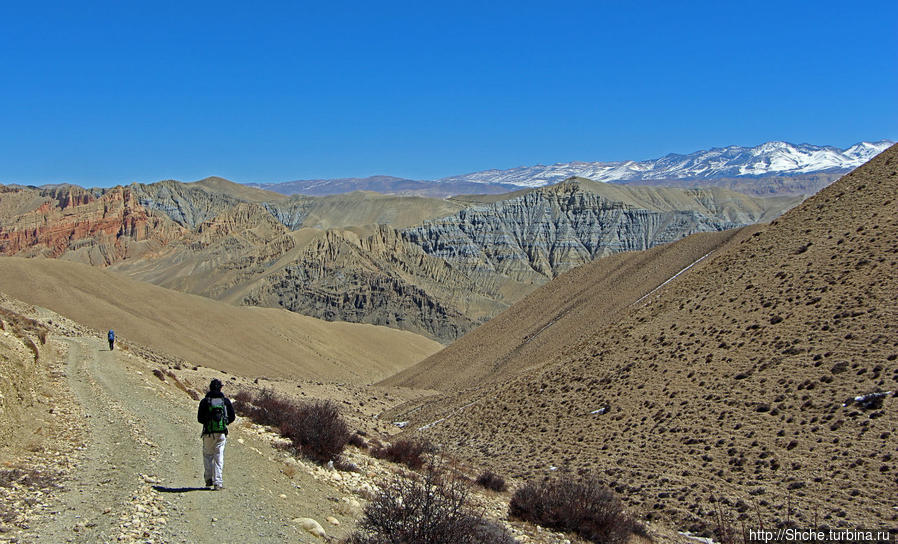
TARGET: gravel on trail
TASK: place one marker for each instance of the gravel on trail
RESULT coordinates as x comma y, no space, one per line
138,476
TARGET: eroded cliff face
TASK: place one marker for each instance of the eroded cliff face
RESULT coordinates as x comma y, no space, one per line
223,253
185,204
379,279
75,224
543,233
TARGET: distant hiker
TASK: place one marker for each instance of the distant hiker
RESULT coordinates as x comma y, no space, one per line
111,336
215,413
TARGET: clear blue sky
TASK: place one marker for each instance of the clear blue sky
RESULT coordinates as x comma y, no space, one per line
104,93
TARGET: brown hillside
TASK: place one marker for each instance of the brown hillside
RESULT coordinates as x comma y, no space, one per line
221,186
736,382
558,315
366,208
242,340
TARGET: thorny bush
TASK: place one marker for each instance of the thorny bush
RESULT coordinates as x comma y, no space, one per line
425,509
585,507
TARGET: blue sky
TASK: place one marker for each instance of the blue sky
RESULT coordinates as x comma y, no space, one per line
105,93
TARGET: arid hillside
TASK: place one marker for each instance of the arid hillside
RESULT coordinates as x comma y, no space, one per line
760,382
243,340
559,315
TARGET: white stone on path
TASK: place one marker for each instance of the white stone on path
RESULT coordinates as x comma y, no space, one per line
311,526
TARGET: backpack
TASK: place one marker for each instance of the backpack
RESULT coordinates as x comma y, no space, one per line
218,416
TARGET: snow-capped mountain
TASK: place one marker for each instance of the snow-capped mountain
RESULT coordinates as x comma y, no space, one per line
771,158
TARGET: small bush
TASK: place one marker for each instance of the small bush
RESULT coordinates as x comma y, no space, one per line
316,429
584,507
432,509
492,481
243,396
358,441
408,452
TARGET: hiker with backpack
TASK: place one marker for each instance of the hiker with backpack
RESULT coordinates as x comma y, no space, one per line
215,413
111,336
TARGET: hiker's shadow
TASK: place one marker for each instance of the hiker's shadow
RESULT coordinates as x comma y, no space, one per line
163,489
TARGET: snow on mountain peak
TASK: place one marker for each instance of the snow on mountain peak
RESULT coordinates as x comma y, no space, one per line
768,158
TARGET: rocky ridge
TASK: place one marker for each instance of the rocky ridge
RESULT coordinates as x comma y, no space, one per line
536,236
439,277
72,223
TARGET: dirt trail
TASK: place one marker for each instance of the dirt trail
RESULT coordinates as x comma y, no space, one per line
139,475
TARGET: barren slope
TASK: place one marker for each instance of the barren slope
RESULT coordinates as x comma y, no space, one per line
243,340
559,314
736,382
359,208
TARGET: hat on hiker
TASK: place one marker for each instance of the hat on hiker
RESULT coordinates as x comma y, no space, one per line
215,385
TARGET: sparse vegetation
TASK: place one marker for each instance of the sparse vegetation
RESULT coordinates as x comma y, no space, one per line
358,440
492,481
585,507
408,452
315,429
428,509
30,479
24,328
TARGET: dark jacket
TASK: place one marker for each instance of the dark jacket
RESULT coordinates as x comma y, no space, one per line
202,413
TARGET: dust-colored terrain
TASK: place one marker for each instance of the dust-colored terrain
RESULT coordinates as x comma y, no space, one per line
106,449
437,267
732,387
199,331
559,315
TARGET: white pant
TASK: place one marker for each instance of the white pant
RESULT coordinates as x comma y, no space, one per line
213,456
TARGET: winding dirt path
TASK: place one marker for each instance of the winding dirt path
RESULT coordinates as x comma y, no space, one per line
139,475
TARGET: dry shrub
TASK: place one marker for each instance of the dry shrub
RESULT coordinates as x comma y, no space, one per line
243,396
585,507
432,509
316,429
178,383
358,441
408,452
492,481
29,343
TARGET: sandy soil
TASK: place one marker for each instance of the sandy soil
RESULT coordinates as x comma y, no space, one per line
252,341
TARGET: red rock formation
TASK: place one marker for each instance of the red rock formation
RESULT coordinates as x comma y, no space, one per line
107,228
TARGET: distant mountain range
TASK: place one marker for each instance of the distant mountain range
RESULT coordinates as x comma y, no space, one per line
809,167
771,158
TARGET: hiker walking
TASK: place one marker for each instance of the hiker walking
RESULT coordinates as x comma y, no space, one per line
111,336
215,413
